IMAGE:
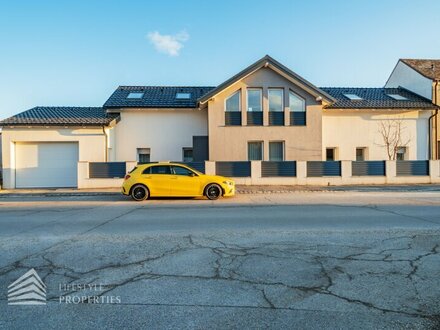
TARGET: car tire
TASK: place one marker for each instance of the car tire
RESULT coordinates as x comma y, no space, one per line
139,193
213,191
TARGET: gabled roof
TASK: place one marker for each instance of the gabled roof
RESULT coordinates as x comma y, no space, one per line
60,116
427,68
376,98
156,97
268,61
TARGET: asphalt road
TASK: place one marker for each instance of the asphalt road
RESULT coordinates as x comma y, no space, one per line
304,260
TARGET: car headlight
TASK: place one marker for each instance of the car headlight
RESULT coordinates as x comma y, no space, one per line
229,183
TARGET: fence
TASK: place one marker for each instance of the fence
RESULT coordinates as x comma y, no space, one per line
320,168
277,169
368,168
412,167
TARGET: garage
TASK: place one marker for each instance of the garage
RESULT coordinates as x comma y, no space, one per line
46,164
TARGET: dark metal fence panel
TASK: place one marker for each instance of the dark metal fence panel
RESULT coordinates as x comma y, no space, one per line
368,168
233,118
276,118
412,167
297,118
200,148
233,169
102,170
255,118
274,169
321,168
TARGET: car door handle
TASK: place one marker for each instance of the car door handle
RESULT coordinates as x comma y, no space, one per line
174,177
147,176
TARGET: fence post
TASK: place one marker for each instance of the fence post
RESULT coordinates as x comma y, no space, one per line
346,170
301,172
390,171
434,171
255,170
209,168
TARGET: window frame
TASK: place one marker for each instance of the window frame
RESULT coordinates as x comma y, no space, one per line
301,98
259,89
282,98
364,154
261,143
283,149
335,157
239,101
183,154
133,97
183,96
405,153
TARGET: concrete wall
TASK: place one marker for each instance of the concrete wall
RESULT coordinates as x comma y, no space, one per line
85,182
229,143
91,144
408,78
347,130
164,131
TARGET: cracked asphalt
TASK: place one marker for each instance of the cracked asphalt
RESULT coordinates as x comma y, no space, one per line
309,260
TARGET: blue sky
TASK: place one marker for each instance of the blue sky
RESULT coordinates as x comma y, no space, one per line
78,52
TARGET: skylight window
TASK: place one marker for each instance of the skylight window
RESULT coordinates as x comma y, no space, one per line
183,96
397,97
135,95
353,97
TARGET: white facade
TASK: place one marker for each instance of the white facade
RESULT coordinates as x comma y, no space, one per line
406,77
90,144
164,131
346,130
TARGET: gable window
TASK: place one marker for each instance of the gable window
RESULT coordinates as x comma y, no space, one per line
276,151
276,106
233,110
143,155
254,107
255,150
188,155
135,95
183,96
353,97
297,107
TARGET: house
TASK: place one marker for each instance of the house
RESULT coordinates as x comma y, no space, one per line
421,76
265,112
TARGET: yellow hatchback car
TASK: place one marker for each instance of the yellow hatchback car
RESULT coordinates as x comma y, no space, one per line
174,180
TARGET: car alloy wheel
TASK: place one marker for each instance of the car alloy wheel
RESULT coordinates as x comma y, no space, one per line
139,193
213,191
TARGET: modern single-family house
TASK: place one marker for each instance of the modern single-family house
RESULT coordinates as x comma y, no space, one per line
265,112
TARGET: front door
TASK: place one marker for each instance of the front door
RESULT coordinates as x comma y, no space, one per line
158,180
184,182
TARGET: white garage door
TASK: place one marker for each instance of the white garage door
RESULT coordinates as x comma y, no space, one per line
46,164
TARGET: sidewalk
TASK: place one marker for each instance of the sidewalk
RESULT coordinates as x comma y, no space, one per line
240,190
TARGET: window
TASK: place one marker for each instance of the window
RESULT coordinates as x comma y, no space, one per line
296,103
233,102
276,99
255,150
401,153
254,99
360,154
135,95
143,155
330,154
183,96
187,154
397,97
160,169
178,170
353,97
276,151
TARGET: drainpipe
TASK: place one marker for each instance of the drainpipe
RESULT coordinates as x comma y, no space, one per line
436,120
433,119
105,139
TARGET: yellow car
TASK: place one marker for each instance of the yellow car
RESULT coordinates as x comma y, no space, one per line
174,180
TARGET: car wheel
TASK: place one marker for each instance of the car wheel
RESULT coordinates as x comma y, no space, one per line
139,193
213,191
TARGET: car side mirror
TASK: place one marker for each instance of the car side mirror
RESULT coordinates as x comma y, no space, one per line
192,174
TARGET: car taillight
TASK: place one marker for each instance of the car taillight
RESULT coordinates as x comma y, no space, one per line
127,177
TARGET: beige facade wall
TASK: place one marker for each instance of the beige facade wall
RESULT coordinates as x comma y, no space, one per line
229,143
91,144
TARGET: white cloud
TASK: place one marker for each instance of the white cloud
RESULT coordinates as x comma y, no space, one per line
168,44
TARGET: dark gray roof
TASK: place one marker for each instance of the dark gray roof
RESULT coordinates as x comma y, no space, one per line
156,97
376,98
428,68
263,62
54,116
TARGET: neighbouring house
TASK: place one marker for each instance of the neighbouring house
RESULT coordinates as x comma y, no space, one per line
422,77
265,112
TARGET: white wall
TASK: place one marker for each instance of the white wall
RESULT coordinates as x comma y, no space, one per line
91,145
348,129
408,78
164,131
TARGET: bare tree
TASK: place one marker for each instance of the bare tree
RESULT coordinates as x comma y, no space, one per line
391,131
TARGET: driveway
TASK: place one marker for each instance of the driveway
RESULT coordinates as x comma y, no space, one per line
293,260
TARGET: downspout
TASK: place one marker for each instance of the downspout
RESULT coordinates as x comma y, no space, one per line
106,143
436,121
